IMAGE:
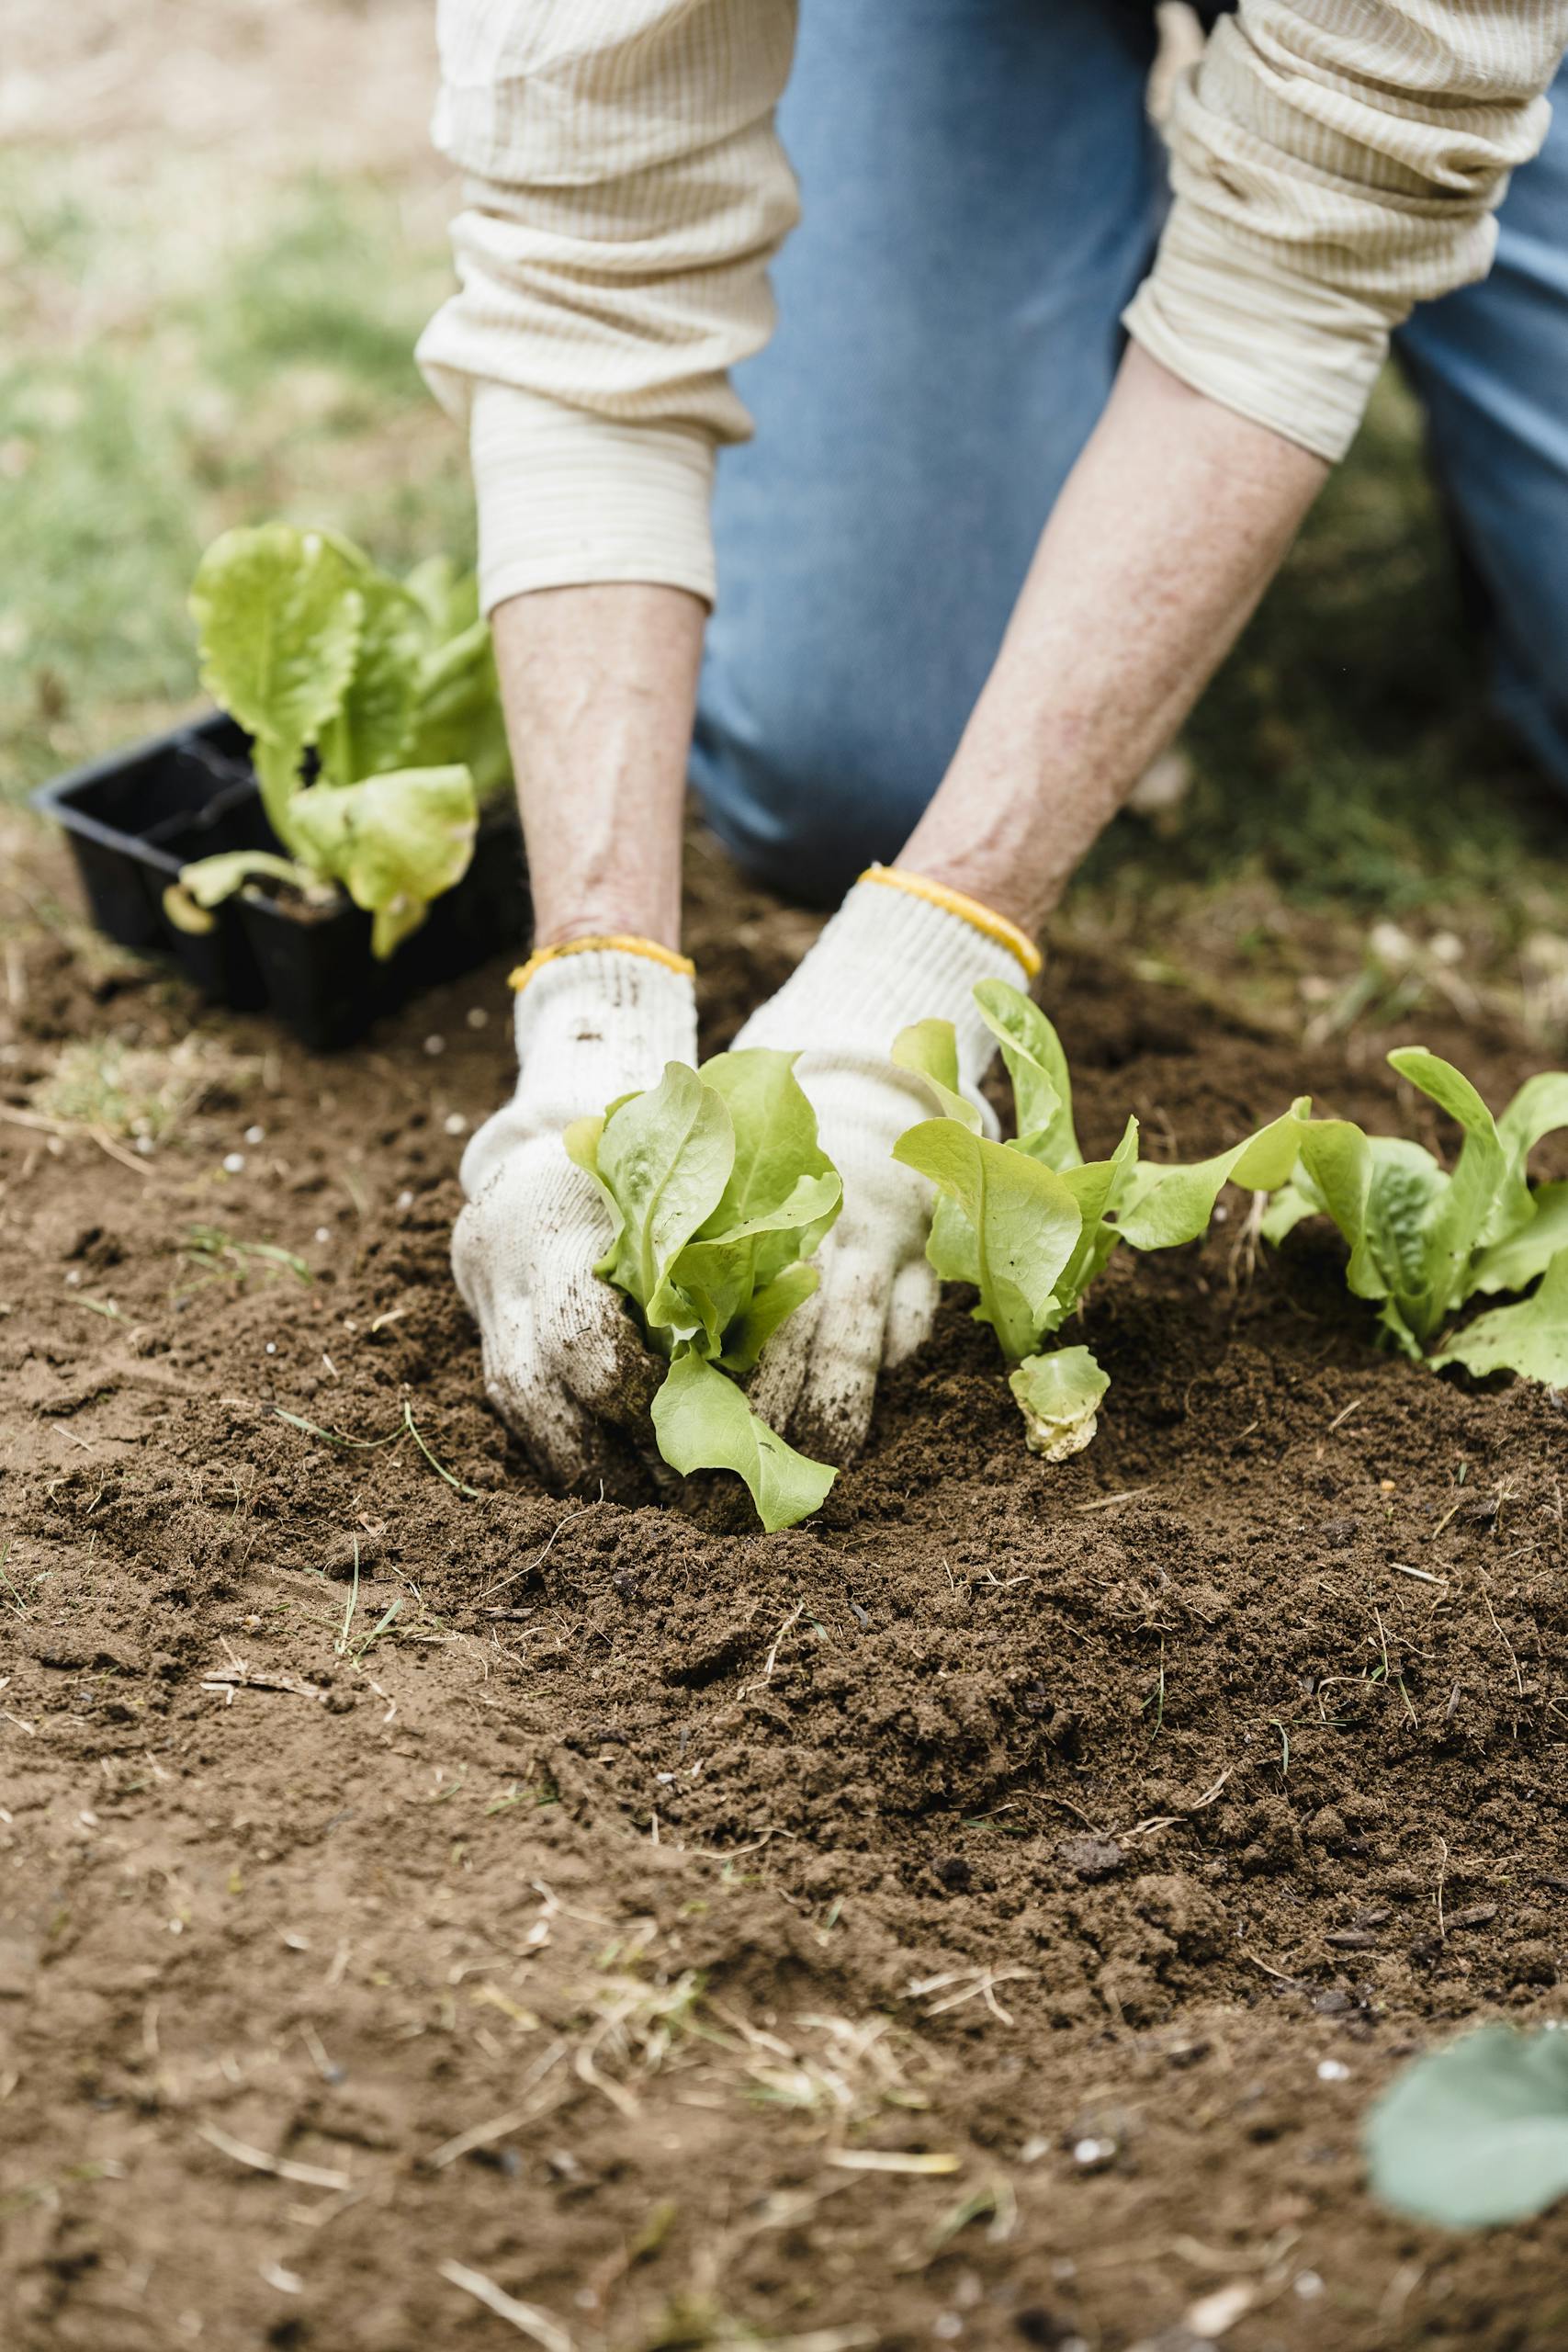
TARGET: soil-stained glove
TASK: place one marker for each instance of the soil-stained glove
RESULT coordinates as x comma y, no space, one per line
899,950
564,1365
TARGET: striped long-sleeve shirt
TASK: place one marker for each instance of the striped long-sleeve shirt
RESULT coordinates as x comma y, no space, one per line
1334,162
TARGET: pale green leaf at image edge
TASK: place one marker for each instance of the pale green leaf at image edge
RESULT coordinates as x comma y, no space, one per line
1530,1339
1477,2133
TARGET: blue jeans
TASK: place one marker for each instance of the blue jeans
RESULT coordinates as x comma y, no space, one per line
981,197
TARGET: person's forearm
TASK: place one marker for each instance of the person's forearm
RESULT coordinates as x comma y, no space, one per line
599,689
1171,527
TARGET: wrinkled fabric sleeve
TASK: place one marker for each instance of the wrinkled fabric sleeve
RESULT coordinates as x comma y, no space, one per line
1334,163
624,192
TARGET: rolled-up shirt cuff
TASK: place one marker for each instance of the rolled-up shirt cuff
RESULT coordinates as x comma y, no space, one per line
568,498
1287,350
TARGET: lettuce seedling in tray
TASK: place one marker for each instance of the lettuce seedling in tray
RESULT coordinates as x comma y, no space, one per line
719,1193
375,720
1424,1241
1032,1222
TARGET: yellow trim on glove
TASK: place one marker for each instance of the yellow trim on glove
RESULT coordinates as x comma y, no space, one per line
983,918
621,943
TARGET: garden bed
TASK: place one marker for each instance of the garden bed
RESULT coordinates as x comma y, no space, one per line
582,1896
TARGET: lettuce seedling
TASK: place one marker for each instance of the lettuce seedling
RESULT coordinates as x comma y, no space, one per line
390,684
719,1193
1032,1222
1424,1239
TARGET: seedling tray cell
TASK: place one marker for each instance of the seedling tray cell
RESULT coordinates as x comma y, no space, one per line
136,817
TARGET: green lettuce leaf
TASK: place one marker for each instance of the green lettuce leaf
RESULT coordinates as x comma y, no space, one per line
1059,1396
1170,1205
1022,1217
1538,1109
279,617
717,1190
1385,1194
930,1049
457,712
780,1196
1530,1339
1477,2133
1290,1204
1031,1224
1424,1240
310,646
749,1331
208,881
1097,1186
371,731
1486,1196
703,1422
448,598
394,841
1514,1265
725,1276
1037,1069
776,1152
665,1158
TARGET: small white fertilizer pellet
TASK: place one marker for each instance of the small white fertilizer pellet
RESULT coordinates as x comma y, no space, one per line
433,1044
256,1134
1333,2070
455,1124
233,1163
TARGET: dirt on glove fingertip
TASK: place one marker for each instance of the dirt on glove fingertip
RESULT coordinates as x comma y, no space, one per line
981,1916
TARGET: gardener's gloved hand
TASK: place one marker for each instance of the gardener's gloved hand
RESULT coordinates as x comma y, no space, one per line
564,1363
899,950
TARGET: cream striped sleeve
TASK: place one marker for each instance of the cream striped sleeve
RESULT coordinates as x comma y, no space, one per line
1336,161
624,192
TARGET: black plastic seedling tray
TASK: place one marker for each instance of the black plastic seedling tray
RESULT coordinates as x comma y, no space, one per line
135,818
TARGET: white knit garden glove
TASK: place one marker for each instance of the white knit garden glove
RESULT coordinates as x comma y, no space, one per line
891,955
564,1363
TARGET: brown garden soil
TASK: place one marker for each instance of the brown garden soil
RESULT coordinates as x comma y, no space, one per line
980,1916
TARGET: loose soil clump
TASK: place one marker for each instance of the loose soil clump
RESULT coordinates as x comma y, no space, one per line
439,1912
